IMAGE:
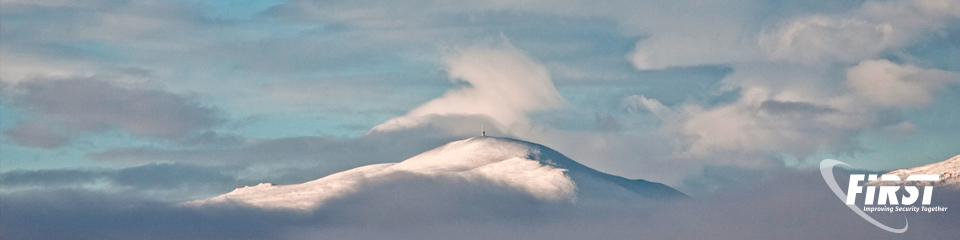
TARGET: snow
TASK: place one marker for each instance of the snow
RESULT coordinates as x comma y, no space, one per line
950,169
304,196
530,168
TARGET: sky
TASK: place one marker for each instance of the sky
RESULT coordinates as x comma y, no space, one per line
167,101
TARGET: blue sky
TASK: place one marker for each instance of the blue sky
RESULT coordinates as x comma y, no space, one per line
284,91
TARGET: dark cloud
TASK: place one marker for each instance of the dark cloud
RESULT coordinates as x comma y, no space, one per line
35,134
374,147
212,139
307,157
606,122
165,176
794,108
68,214
154,176
60,109
49,177
54,25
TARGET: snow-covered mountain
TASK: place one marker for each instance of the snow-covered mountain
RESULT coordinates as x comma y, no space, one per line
949,172
519,166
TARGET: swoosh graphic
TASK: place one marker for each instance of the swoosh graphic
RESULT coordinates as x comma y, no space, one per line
826,169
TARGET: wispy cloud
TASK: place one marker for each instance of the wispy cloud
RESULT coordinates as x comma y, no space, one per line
503,84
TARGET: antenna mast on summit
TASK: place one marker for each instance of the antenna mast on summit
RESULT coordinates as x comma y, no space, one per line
483,133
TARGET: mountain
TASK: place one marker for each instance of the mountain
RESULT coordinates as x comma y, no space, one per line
524,167
949,172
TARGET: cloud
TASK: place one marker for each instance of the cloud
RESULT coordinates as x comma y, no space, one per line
36,135
158,181
664,50
887,84
863,34
671,36
814,38
797,119
807,75
799,108
298,159
790,203
808,83
636,103
95,215
746,131
145,177
58,110
130,22
714,179
734,128
48,178
606,122
504,84
166,176
819,38
729,37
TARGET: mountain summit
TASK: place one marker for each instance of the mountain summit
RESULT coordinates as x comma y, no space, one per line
519,166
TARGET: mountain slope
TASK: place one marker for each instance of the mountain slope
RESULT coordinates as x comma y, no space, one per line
525,167
949,172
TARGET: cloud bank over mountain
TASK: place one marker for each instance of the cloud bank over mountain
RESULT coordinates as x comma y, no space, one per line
791,205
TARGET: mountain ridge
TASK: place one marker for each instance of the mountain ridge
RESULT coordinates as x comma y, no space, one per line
530,168
948,171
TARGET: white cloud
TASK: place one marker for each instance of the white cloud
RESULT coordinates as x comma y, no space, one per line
798,95
887,84
819,38
761,122
917,15
858,35
849,37
691,49
796,122
504,84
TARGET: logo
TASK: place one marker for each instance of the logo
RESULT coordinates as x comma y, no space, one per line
874,202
